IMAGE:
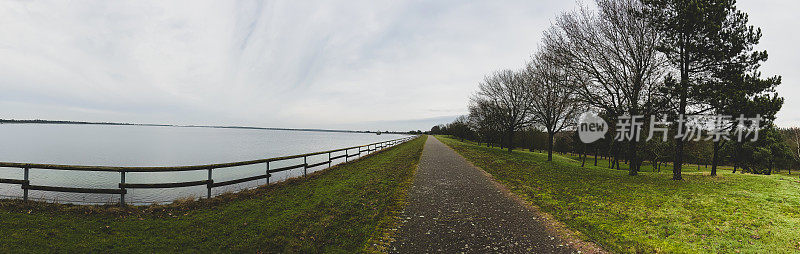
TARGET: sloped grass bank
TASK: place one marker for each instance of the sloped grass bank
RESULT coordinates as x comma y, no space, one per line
650,213
347,208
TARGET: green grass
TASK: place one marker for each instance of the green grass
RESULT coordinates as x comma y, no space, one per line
348,208
650,213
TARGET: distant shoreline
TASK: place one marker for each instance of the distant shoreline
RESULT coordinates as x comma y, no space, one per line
13,121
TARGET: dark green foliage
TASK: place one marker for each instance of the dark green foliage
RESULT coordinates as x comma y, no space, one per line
768,153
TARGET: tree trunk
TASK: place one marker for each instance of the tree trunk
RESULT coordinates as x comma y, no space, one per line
770,168
676,167
584,156
510,140
633,167
715,159
610,153
683,94
530,149
616,158
550,146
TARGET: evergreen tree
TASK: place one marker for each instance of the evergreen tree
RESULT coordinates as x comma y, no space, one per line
710,46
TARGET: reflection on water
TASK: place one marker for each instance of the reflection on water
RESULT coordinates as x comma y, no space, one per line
156,146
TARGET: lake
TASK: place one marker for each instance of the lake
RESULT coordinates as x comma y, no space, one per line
118,145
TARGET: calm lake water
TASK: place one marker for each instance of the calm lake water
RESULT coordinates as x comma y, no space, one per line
103,145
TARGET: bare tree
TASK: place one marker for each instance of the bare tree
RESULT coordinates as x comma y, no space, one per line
504,97
616,48
460,128
483,119
553,103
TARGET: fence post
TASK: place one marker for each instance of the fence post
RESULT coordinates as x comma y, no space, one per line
268,174
122,182
208,195
305,166
346,154
24,189
329,159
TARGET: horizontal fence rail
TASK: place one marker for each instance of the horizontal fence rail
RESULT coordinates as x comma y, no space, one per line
209,182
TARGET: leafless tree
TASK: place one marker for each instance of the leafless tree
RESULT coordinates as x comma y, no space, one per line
504,98
460,128
616,49
482,118
552,90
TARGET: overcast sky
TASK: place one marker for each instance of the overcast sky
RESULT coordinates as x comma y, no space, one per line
346,64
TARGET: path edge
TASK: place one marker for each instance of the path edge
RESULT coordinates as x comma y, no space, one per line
553,225
382,241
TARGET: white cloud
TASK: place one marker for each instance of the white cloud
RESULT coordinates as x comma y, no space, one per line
281,63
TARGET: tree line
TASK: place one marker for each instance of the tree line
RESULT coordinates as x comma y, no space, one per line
650,58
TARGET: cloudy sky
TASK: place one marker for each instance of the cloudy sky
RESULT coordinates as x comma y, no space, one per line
394,65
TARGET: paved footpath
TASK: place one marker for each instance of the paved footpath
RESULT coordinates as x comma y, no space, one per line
454,207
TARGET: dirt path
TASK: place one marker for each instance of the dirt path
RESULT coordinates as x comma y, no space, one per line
454,207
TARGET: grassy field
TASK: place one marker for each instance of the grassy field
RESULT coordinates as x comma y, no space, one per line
731,213
348,208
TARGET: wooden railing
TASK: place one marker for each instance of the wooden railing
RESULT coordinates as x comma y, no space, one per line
209,183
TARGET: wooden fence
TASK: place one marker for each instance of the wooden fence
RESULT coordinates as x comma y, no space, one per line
209,183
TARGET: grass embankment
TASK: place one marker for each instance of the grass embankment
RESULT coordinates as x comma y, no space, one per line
650,213
348,208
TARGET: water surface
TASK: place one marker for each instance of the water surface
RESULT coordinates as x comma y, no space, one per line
113,145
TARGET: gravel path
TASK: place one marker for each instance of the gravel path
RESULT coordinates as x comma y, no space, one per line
454,207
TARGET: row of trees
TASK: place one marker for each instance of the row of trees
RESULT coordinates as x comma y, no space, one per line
633,57
776,150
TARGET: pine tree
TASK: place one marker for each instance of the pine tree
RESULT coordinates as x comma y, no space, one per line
710,45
